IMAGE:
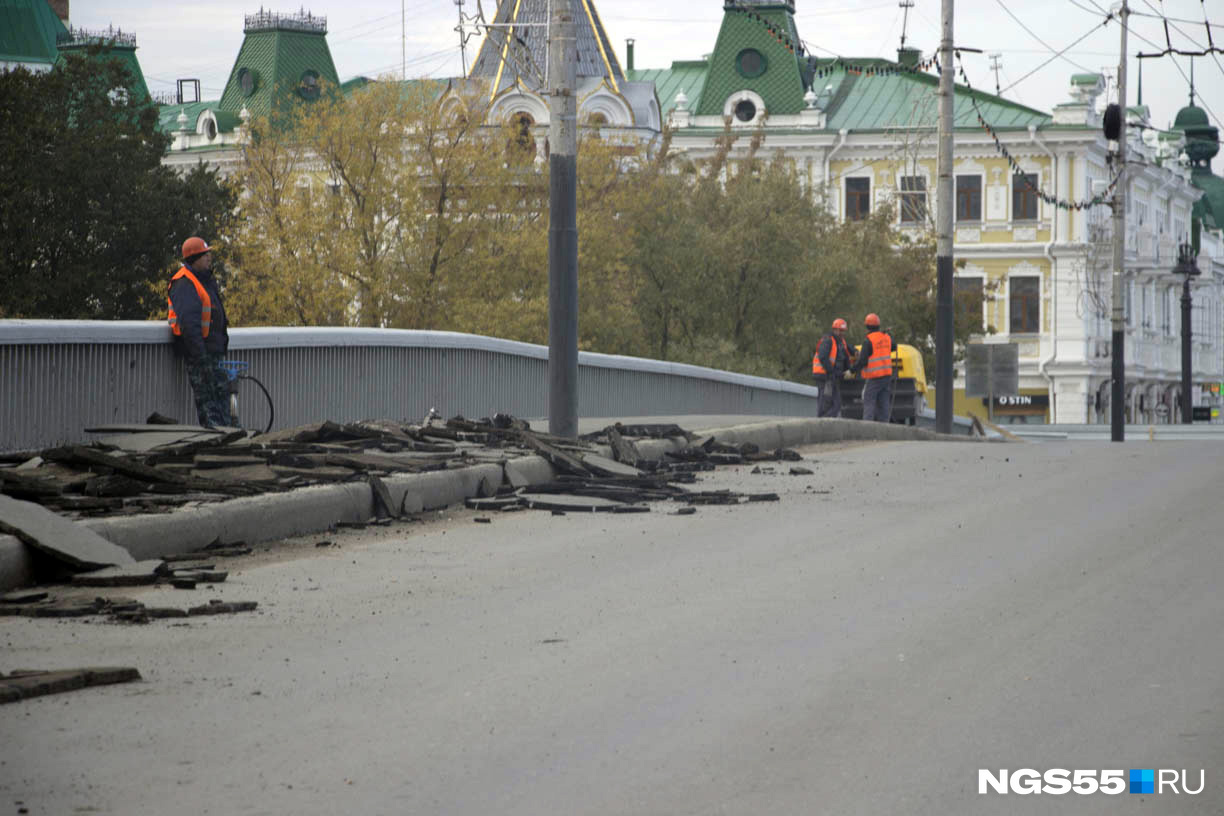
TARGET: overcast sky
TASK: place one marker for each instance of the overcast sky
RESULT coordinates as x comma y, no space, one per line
201,40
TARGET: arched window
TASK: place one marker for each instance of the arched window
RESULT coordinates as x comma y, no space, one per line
597,119
521,146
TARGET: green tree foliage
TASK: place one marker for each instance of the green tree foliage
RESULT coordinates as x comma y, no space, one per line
435,219
89,218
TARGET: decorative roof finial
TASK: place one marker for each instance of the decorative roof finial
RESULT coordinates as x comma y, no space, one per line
681,101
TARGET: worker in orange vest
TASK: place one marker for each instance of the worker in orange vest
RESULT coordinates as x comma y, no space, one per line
829,365
201,336
875,364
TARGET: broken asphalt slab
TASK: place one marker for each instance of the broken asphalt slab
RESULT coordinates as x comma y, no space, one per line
22,685
317,508
58,537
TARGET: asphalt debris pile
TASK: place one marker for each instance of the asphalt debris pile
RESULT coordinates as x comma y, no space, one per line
44,604
628,482
135,469
154,467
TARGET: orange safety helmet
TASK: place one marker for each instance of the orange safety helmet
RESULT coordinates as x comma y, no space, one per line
195,246
872,319
839,323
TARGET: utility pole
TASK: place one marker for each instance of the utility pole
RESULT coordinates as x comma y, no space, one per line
1118,351
907,5
943,260
994,63
462,36
562,222
1187,357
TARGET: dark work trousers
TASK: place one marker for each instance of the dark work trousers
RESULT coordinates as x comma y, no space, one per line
877,399
210,386
830,396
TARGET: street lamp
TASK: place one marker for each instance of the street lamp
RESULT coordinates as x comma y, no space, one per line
1188,268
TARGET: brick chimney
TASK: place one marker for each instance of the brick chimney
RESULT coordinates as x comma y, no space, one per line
60,7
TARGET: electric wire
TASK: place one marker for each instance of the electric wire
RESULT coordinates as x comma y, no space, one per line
1059,54
1211,44
1055,201
1038,39
1177,65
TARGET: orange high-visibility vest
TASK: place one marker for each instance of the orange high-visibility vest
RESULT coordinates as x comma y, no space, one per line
205,304
879,364
817,368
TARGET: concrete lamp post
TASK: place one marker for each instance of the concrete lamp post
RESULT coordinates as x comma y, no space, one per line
1186,267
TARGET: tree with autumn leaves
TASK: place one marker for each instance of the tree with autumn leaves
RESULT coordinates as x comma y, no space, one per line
384,208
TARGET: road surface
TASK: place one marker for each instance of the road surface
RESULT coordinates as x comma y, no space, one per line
943,608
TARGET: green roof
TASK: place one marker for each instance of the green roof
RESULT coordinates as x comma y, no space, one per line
123,53
167,115
684,76
777,73
1191,116
880,96
1210,208
354,84
883,96
28,29
277,57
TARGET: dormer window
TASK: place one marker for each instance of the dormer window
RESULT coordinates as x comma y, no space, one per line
750,63
745,110
247,81
308,88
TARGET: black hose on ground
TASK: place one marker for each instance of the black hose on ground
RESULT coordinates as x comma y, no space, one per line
267,396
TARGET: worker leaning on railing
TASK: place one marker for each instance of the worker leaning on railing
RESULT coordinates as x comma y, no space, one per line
201,334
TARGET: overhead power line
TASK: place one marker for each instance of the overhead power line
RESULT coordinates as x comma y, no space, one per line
1059,54
1180,70
1053,200
1038,39
1211,46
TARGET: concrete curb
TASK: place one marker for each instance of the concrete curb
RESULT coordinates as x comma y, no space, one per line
316,509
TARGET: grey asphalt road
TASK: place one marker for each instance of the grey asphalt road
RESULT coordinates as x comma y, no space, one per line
944,608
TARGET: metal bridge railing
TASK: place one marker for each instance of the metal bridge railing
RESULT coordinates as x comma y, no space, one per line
58,377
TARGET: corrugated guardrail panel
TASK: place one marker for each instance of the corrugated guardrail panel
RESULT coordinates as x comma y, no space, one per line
351,383
58,377
50,393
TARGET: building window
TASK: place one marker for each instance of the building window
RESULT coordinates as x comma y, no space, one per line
750,63
858,198
308,86
745,110
968,198
521,146
968,296
1024,305
913,199
1024,197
